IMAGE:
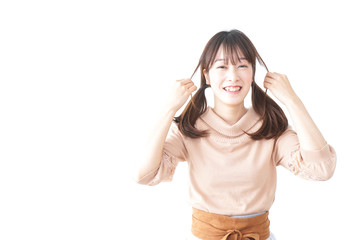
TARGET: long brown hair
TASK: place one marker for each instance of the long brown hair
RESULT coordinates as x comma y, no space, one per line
272,116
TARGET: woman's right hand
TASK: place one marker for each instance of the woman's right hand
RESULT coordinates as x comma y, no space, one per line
180,93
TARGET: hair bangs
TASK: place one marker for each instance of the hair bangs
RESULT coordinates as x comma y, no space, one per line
235,50
235,46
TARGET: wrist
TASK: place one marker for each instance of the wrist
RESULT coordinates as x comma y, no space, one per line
170,110
293,101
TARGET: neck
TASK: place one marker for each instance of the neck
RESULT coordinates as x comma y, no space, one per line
230,114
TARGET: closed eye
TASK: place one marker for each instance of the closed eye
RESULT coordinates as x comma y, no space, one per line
221,67
243,66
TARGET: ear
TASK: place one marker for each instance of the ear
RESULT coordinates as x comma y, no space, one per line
206,77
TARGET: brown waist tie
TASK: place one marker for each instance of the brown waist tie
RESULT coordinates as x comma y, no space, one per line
211,226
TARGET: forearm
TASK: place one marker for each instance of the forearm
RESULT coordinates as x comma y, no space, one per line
178,96
309,135
155,143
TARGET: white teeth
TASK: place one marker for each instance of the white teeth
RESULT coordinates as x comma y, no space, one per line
232,89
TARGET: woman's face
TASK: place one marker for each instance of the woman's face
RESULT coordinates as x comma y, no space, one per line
229,82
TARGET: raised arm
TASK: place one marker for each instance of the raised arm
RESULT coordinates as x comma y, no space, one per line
309,135
178,96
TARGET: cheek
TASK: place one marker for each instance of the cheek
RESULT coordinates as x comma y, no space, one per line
215,77
247,76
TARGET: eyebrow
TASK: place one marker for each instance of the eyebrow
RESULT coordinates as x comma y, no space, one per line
221,59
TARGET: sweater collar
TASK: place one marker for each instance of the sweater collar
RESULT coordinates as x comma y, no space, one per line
245,123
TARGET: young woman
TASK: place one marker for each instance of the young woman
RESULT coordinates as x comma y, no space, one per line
232,151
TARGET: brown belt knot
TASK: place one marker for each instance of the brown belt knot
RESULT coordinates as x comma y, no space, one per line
211,226
237,235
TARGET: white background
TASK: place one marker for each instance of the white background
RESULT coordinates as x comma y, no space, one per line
81,80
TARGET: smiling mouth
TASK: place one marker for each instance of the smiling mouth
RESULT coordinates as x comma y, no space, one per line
232,89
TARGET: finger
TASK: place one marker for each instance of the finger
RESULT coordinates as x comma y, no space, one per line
273,75
192,89
269,74
269,80
267,84
184,81
188,85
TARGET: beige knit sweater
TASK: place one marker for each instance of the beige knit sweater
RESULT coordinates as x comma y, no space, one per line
231,174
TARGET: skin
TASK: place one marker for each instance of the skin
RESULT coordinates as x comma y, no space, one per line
179,94
309,134
230,106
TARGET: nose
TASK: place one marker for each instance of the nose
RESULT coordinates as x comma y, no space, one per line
232,74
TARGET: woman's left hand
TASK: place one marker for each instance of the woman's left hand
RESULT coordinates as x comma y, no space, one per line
279,86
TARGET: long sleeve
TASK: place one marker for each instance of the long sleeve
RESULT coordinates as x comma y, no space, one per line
316,165
174,151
